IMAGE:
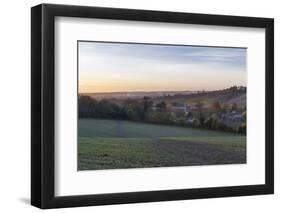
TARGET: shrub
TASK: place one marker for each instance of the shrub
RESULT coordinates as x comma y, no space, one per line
242,128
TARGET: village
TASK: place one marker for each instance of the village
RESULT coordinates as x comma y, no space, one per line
222,110
212,116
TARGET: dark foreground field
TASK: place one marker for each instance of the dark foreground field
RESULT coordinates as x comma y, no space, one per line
108,144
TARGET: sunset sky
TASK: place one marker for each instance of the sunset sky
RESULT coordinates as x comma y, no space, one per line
120,67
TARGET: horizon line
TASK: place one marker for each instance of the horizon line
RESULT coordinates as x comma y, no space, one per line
143,91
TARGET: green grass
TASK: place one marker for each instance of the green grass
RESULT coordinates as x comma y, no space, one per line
108,144
204,100
128,129
103,153
207,101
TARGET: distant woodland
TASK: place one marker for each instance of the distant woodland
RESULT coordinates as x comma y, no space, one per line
223,110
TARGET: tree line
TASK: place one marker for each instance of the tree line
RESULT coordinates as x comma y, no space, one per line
145,110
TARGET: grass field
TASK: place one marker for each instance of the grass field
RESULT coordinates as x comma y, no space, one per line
109,144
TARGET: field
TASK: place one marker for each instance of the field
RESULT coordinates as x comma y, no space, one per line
110,144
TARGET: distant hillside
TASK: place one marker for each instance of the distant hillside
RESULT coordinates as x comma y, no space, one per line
239,99
134,95
225,96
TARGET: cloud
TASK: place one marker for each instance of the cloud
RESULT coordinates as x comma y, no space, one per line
179,54
174,66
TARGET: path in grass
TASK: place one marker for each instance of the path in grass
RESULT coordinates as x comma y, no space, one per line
107,144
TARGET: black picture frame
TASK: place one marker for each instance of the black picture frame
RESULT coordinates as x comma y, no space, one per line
43,110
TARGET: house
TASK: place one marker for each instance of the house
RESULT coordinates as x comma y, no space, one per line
233,116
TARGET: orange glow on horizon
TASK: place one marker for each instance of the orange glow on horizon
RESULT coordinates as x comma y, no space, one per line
109,87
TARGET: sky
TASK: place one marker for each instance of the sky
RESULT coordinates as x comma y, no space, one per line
128,67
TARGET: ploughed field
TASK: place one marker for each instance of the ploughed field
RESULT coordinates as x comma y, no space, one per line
113,144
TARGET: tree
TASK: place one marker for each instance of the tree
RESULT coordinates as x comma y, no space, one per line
217,106
242,128
87,106
225,108
162,106
147,104
199,105
176,104
133,114
108,109
209,123
234,107
233,89
162,117
244,115
134,110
